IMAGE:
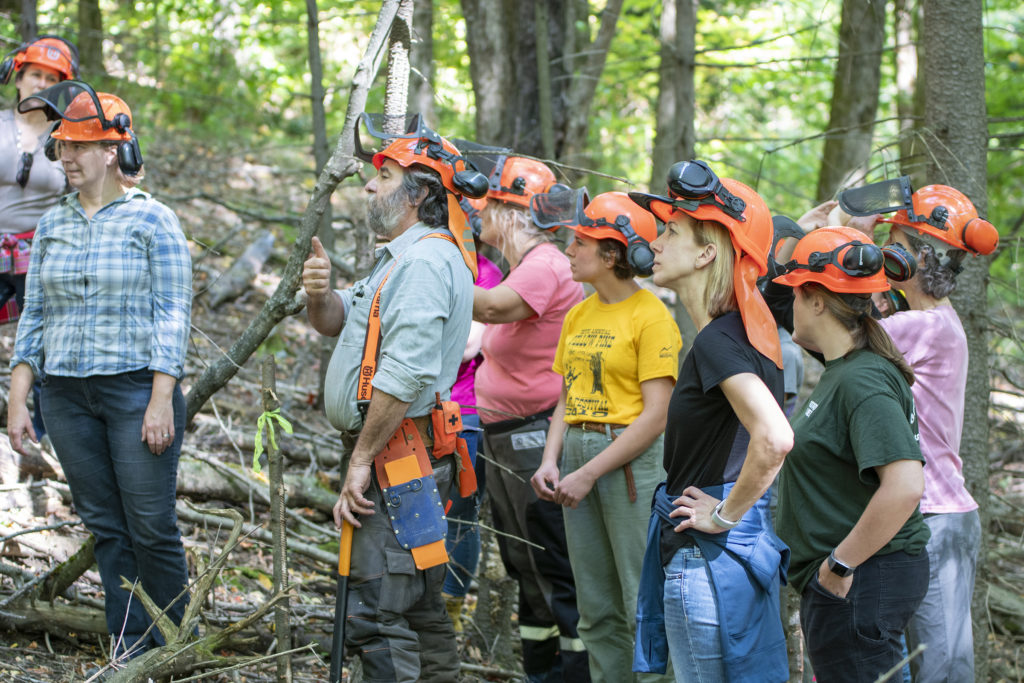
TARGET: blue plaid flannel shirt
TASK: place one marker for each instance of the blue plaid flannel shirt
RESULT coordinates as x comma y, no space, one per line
109,294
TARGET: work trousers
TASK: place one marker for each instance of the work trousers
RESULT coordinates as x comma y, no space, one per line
547,594
396,617
943,621
123,492
606,547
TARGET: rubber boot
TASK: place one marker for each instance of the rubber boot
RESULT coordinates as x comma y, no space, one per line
454,606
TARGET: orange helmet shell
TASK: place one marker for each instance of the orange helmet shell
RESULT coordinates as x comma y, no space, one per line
521,178
607,207
91,129
961,229
49,52
824,240
408,151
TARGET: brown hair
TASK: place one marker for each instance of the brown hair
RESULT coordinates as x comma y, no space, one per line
615,251
853,311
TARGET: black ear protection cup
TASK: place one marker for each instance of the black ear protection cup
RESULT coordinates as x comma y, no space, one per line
900,265
129,155
7,68
862,260
471,183
50,146
638,252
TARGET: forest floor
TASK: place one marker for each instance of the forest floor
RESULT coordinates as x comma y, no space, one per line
223,434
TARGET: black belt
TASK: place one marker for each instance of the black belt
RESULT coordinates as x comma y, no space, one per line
516,423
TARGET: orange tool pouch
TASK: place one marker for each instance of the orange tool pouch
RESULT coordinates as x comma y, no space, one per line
446,420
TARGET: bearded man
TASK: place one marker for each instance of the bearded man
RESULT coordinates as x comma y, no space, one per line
423,291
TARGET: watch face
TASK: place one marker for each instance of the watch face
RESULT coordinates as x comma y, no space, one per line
838,568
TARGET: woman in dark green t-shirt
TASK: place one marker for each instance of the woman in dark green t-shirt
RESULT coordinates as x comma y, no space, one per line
850,488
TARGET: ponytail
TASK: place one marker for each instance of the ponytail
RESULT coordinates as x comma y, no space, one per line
853,311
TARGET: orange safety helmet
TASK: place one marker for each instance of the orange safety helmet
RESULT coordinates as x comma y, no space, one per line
947,214
421,145
697,191
517,179
48,51
839,259
610,216
82,123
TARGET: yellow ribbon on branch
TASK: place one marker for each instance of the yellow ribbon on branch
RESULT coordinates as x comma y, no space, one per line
267,420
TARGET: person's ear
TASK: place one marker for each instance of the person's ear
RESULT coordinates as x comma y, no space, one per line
707,255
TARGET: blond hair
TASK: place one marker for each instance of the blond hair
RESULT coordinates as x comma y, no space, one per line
719,292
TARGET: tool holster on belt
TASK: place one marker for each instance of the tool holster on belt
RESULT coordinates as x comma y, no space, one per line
446,421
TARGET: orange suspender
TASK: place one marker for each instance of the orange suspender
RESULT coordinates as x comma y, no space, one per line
371,346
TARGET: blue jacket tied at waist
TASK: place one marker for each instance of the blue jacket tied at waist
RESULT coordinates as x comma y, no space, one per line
746,566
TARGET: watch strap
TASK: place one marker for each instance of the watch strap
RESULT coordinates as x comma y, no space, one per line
837,567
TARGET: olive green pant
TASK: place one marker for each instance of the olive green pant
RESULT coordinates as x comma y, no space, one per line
607,536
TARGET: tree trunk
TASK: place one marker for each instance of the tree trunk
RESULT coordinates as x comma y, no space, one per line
90,38
490,67
854,97
584,85
339,166
421,91
956,137
28,21
396,90
320,154
909,91
674,132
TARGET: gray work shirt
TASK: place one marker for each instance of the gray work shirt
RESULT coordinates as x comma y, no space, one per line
426,310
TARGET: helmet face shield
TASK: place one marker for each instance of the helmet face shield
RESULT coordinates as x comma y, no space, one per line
370,137
881,197
563,208
56,99
487,159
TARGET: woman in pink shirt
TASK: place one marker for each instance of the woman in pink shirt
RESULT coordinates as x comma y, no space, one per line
516,392
938,226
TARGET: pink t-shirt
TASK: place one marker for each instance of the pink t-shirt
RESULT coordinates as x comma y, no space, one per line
487,276
934,343
516,376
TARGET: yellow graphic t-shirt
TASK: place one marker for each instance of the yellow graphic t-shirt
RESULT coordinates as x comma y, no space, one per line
607,350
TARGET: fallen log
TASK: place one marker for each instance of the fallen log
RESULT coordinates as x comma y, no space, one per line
242,272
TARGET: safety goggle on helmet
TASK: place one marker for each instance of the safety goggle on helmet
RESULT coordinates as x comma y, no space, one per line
510,178
696,190
418,144
936,211
838,259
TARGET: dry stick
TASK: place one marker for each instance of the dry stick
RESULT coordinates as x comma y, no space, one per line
903,662
282,615
341,165
35,529
247,662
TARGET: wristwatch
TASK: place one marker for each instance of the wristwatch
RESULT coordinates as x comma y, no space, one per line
721,521
837,567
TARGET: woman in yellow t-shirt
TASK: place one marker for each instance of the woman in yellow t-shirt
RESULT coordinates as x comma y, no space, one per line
618,358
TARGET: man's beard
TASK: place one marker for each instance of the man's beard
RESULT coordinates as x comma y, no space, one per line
384,212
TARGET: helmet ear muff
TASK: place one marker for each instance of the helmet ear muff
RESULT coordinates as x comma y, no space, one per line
638,252
980,236
129,154
471,183
900,265
6,69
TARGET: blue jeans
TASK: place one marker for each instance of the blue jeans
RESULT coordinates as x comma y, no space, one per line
857,638
463,540
691,619
123,492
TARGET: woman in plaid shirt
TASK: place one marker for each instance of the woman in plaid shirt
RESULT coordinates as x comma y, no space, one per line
107,315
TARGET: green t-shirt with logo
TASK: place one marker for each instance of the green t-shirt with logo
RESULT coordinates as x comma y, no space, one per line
861,415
